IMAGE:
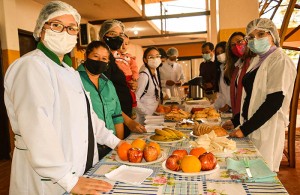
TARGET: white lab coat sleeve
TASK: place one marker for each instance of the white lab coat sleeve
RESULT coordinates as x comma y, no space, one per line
163,78
29,92
102,134
181,78
220,101
142,82
281,68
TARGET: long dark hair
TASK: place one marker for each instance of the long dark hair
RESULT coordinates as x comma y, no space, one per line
231,59
160,96
222,45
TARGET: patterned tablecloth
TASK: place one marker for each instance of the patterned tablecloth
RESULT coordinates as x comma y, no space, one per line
161,182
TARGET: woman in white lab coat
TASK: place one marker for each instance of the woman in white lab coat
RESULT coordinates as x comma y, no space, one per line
222,102
171,74
268,87
55,129
149,86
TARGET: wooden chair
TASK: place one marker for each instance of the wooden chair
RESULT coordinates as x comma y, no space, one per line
290,152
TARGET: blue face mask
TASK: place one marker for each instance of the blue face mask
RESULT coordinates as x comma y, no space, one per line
206,56
259,46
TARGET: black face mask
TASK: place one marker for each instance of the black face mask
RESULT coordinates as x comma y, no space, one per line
114,43
95,67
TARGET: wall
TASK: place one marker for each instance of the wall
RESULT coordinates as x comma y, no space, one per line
235,16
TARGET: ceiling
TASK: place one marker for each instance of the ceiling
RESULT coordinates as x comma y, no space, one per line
99,10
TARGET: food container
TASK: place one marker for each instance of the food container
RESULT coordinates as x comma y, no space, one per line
195,88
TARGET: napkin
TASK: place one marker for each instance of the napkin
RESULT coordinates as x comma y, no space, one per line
259,170
129,174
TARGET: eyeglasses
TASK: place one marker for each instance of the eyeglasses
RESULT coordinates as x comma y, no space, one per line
259,35
153,57
239,42
58,27
115,34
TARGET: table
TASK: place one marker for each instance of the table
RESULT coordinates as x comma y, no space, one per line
161,182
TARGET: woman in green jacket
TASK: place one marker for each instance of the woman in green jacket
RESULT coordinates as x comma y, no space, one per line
103,94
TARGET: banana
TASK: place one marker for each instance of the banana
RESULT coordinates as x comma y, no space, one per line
163,133
158,138
174,135
178,133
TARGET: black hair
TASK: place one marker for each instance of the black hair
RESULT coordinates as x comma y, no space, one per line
163,53
95,44
158,74
209,44
222,45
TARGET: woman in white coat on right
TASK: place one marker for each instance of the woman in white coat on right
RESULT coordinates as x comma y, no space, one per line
268,87
149,86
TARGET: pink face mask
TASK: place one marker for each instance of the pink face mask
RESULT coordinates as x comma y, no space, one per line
239,50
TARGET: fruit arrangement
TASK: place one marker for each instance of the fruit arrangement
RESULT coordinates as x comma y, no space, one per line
197,160
167,134
139,150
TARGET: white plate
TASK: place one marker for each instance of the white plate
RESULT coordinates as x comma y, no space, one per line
213,122
165,142
137,174
161,157
154,121
151,128
196,136
147,117
198,102
226,115
226,153
189,174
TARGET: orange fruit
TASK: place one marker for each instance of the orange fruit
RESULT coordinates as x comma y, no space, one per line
139,143
197,151
156,145
190,164
123,150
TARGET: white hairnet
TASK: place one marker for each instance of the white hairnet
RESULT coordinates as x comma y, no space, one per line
172,51
109,24
266,25
51,10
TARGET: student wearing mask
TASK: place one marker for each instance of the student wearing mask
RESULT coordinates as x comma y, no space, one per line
103,94
238,57
268,87
112,33
208,71
127,63
171,73
222,102
149,86
55,129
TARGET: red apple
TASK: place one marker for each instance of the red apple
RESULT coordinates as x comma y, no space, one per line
150,153
173,162
180,152
135,155
208,161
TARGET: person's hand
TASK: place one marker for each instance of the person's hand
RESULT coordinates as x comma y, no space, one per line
228,125
178,83
133,85
136,127
237,133
208,85
90,186
224,108
170,83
